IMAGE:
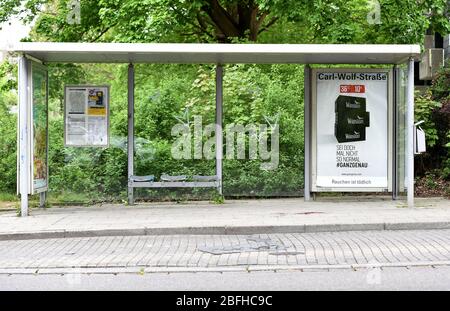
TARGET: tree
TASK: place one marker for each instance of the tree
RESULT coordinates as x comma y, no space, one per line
204,19
294,21
164,91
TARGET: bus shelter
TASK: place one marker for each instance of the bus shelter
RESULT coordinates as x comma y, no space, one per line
359,122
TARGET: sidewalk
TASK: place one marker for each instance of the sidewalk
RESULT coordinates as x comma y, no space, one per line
233,217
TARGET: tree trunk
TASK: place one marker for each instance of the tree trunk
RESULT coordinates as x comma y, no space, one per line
242,20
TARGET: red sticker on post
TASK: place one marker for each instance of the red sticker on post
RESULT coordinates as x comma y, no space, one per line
353,89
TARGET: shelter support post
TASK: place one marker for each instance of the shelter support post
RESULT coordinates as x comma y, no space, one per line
395,143
42,198
307,133
24,136
219,131
130,141
410,135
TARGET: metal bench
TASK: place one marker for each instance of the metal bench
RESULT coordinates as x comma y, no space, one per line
168,181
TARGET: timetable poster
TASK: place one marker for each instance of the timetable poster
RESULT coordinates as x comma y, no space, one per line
86,116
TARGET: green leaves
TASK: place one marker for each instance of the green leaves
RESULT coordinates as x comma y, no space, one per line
295,21
164,92
424,108
8,137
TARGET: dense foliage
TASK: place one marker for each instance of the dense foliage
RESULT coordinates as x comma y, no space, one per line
167,93
300,21
8,130
440,91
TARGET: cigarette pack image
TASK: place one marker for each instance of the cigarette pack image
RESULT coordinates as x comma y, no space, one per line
351,119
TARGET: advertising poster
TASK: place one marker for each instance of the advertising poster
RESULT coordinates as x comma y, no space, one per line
351,129
87,116
96,104
40,129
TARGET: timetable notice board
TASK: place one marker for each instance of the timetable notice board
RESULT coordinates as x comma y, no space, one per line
86,116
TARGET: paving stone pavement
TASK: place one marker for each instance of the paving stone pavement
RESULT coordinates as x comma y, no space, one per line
233,217
323,249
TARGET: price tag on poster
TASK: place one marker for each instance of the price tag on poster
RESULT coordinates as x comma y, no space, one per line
86,116
351,112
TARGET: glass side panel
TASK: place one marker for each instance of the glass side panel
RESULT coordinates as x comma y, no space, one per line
40,128
400,114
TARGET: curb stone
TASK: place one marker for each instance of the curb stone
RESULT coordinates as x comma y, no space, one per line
224,269
222,230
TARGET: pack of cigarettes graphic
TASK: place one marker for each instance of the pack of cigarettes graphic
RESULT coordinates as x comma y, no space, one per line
351,119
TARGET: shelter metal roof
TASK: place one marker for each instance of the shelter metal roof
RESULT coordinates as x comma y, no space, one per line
190,53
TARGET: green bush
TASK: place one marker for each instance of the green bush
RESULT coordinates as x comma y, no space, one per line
8,142
8,133
425,108
163,95
440,91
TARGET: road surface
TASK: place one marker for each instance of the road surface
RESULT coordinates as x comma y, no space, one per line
416,278
372,260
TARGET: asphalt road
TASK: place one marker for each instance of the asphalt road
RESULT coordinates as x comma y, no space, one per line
424,278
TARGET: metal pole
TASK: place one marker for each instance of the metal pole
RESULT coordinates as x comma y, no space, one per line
219,132
410,134
395,118
307,133
42,196
130,133
24,139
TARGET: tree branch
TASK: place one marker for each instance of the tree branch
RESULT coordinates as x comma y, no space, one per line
272,21
103,32
221,19
204,25
201,26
